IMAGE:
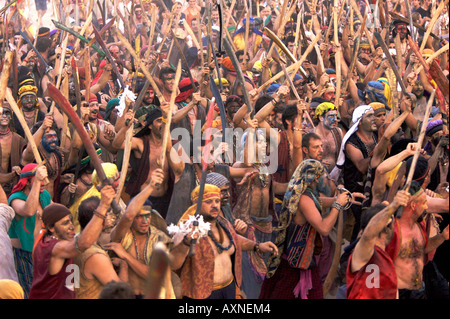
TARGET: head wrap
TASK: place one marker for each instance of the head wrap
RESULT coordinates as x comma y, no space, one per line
228,65
25,90
186,89
356,118
110,106
257,66
10,289
110,170
54,213
420,171
273,88
216,179
152,115
375,93
323,108
433,127
223,80
387,91
242,29
306,173
378,107
26,174
210,192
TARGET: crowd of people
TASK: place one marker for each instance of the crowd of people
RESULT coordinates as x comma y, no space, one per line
277,149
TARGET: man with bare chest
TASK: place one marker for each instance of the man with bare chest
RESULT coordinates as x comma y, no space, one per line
11,148
146,149
411,245
329,132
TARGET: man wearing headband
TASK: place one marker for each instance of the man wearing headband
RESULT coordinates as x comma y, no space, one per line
411,245
329,132
190,107
356,152
12,146
212,273
135,236
28,103
146,148
28,199
54,251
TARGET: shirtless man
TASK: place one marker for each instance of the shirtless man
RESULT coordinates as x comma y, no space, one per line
146,148
133,238
411,244
11,148
211,267
329,132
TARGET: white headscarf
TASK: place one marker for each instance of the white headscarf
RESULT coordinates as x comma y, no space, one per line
357,116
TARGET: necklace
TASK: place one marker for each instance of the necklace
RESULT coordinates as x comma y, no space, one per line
145,247
5,133
219,246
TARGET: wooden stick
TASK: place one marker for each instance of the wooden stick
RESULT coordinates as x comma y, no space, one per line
293,67
430,27
193,36
141,65
420,141
360,17
433,56
230,10
166,135
5,76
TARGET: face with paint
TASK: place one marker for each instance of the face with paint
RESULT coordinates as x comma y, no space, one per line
368,122
141,223
402,30
418,89
28,102
50,141
330,119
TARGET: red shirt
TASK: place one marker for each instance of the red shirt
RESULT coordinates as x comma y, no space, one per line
375,280
46,286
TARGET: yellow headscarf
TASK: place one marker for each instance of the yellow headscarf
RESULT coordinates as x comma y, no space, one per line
323,108
24,90
387,91
9,289
110,170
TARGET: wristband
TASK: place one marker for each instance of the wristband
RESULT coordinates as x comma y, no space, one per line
337,206
96,213
256,247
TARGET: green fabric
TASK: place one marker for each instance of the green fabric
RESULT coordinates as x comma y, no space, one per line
23,229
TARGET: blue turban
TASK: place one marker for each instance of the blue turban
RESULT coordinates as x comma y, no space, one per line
375,93
273,88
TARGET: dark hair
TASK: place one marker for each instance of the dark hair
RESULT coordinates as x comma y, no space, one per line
368,213
117,290
289,114
86,210
306,139
43,44
164,71
261,101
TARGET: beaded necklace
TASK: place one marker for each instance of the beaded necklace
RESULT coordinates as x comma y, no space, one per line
219,246
145,247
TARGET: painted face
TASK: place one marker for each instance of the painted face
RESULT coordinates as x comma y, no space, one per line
28,101
50,141
330,120
5,117
149,96
380,118
141,222
225,194
368,122
418,89
402,30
